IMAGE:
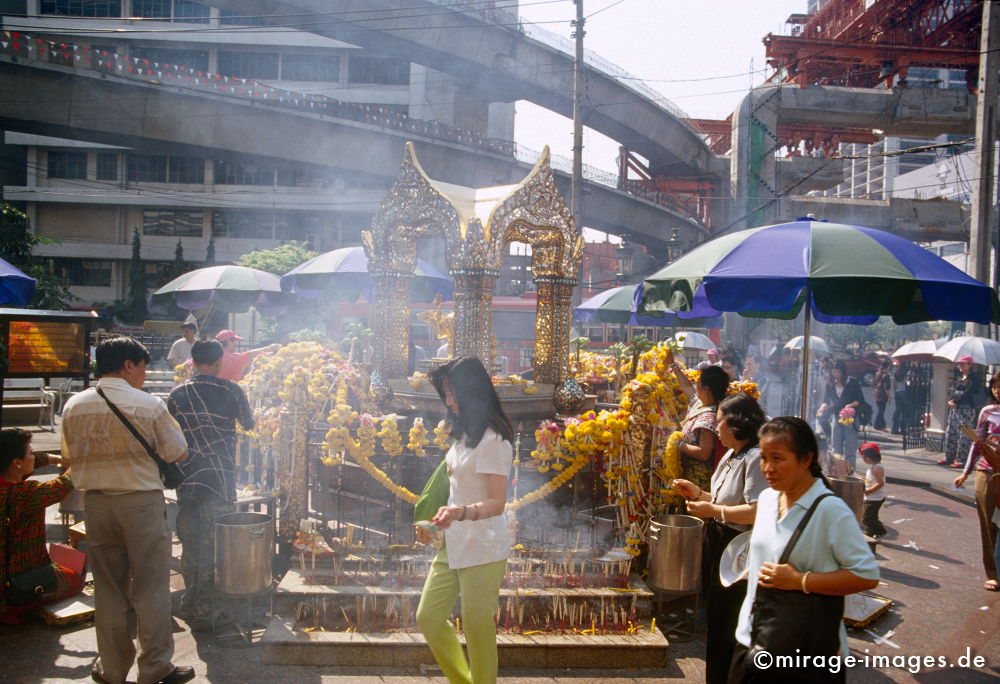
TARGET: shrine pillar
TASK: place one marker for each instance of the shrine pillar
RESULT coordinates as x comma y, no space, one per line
552,327
473,297
392,323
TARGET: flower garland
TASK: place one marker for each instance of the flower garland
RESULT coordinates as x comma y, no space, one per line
442,436
418,438
846,416
392,442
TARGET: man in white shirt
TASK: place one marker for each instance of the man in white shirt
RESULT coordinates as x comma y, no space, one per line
128,541
180,351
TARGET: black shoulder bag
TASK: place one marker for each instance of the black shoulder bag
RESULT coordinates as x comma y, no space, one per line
28,586
792,622
170,473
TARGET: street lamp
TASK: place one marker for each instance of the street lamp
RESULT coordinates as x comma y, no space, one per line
625,255
675,247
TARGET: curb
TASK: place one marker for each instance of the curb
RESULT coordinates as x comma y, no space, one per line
940,490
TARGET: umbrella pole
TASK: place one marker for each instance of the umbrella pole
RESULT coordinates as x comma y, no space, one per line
804,398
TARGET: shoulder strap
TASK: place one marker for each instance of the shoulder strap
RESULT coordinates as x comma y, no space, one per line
131,428
802,525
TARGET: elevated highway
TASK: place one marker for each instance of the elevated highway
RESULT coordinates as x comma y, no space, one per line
495,58
145,112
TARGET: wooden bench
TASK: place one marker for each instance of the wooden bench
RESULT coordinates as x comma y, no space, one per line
30,393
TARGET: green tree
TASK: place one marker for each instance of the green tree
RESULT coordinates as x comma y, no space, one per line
279,260
178,267
133,310
16,247
210,252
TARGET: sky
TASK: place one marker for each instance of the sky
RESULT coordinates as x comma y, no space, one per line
703,55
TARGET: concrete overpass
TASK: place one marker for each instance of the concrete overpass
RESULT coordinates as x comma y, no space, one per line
498,60
99,107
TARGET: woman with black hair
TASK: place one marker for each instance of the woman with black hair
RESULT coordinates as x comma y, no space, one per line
730,508
842,392
473,559
701,450
22,522
829,558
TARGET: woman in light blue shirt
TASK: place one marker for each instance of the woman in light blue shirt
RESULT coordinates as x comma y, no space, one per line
831,557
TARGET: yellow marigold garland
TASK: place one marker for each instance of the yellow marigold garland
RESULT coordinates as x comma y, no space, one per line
418,438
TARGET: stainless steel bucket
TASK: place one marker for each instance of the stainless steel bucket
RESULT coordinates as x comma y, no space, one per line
244,548
675,552
852,491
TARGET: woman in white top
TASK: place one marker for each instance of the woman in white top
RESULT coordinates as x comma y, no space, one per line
730,507
473,560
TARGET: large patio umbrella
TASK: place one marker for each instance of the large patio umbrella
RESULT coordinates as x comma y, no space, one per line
815,343
617,305
343,275
983,350
921,350
16,288
231,289
846,274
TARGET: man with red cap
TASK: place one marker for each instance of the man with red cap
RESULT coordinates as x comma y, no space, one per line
234,362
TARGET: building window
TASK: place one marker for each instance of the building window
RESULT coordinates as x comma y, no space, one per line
83,272
82,8
380,70
310,68
243,173
231,18
187,170
157,273
267,225
107,166
193,59
67,164
256,65
243,224
176,10
172,223
147,168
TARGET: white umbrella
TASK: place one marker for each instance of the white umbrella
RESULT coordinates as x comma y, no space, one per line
982,350
693,340
816,344
922,350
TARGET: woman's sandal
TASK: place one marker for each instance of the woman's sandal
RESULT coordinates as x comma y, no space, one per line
991,585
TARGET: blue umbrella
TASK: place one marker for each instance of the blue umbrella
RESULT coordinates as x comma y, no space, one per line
343,275
617,306
842,273
16,287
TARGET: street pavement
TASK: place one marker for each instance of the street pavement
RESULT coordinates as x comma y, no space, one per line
931,569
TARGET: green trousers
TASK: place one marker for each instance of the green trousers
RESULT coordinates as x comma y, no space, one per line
479,587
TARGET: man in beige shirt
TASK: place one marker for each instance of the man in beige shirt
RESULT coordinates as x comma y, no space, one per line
128,540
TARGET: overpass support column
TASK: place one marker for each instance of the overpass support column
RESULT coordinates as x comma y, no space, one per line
754,168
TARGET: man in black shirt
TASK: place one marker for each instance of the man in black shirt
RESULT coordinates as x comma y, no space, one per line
207,408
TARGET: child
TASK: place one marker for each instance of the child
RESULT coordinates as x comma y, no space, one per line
874,489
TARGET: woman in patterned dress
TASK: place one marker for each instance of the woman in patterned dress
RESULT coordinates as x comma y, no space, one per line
22,541
701,448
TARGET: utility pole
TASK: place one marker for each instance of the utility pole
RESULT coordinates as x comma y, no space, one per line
981,235
576,182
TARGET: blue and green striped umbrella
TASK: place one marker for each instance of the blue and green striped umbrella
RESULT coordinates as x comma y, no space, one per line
846,274
850,274
617,305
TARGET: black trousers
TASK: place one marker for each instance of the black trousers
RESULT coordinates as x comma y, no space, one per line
722,605
873,526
